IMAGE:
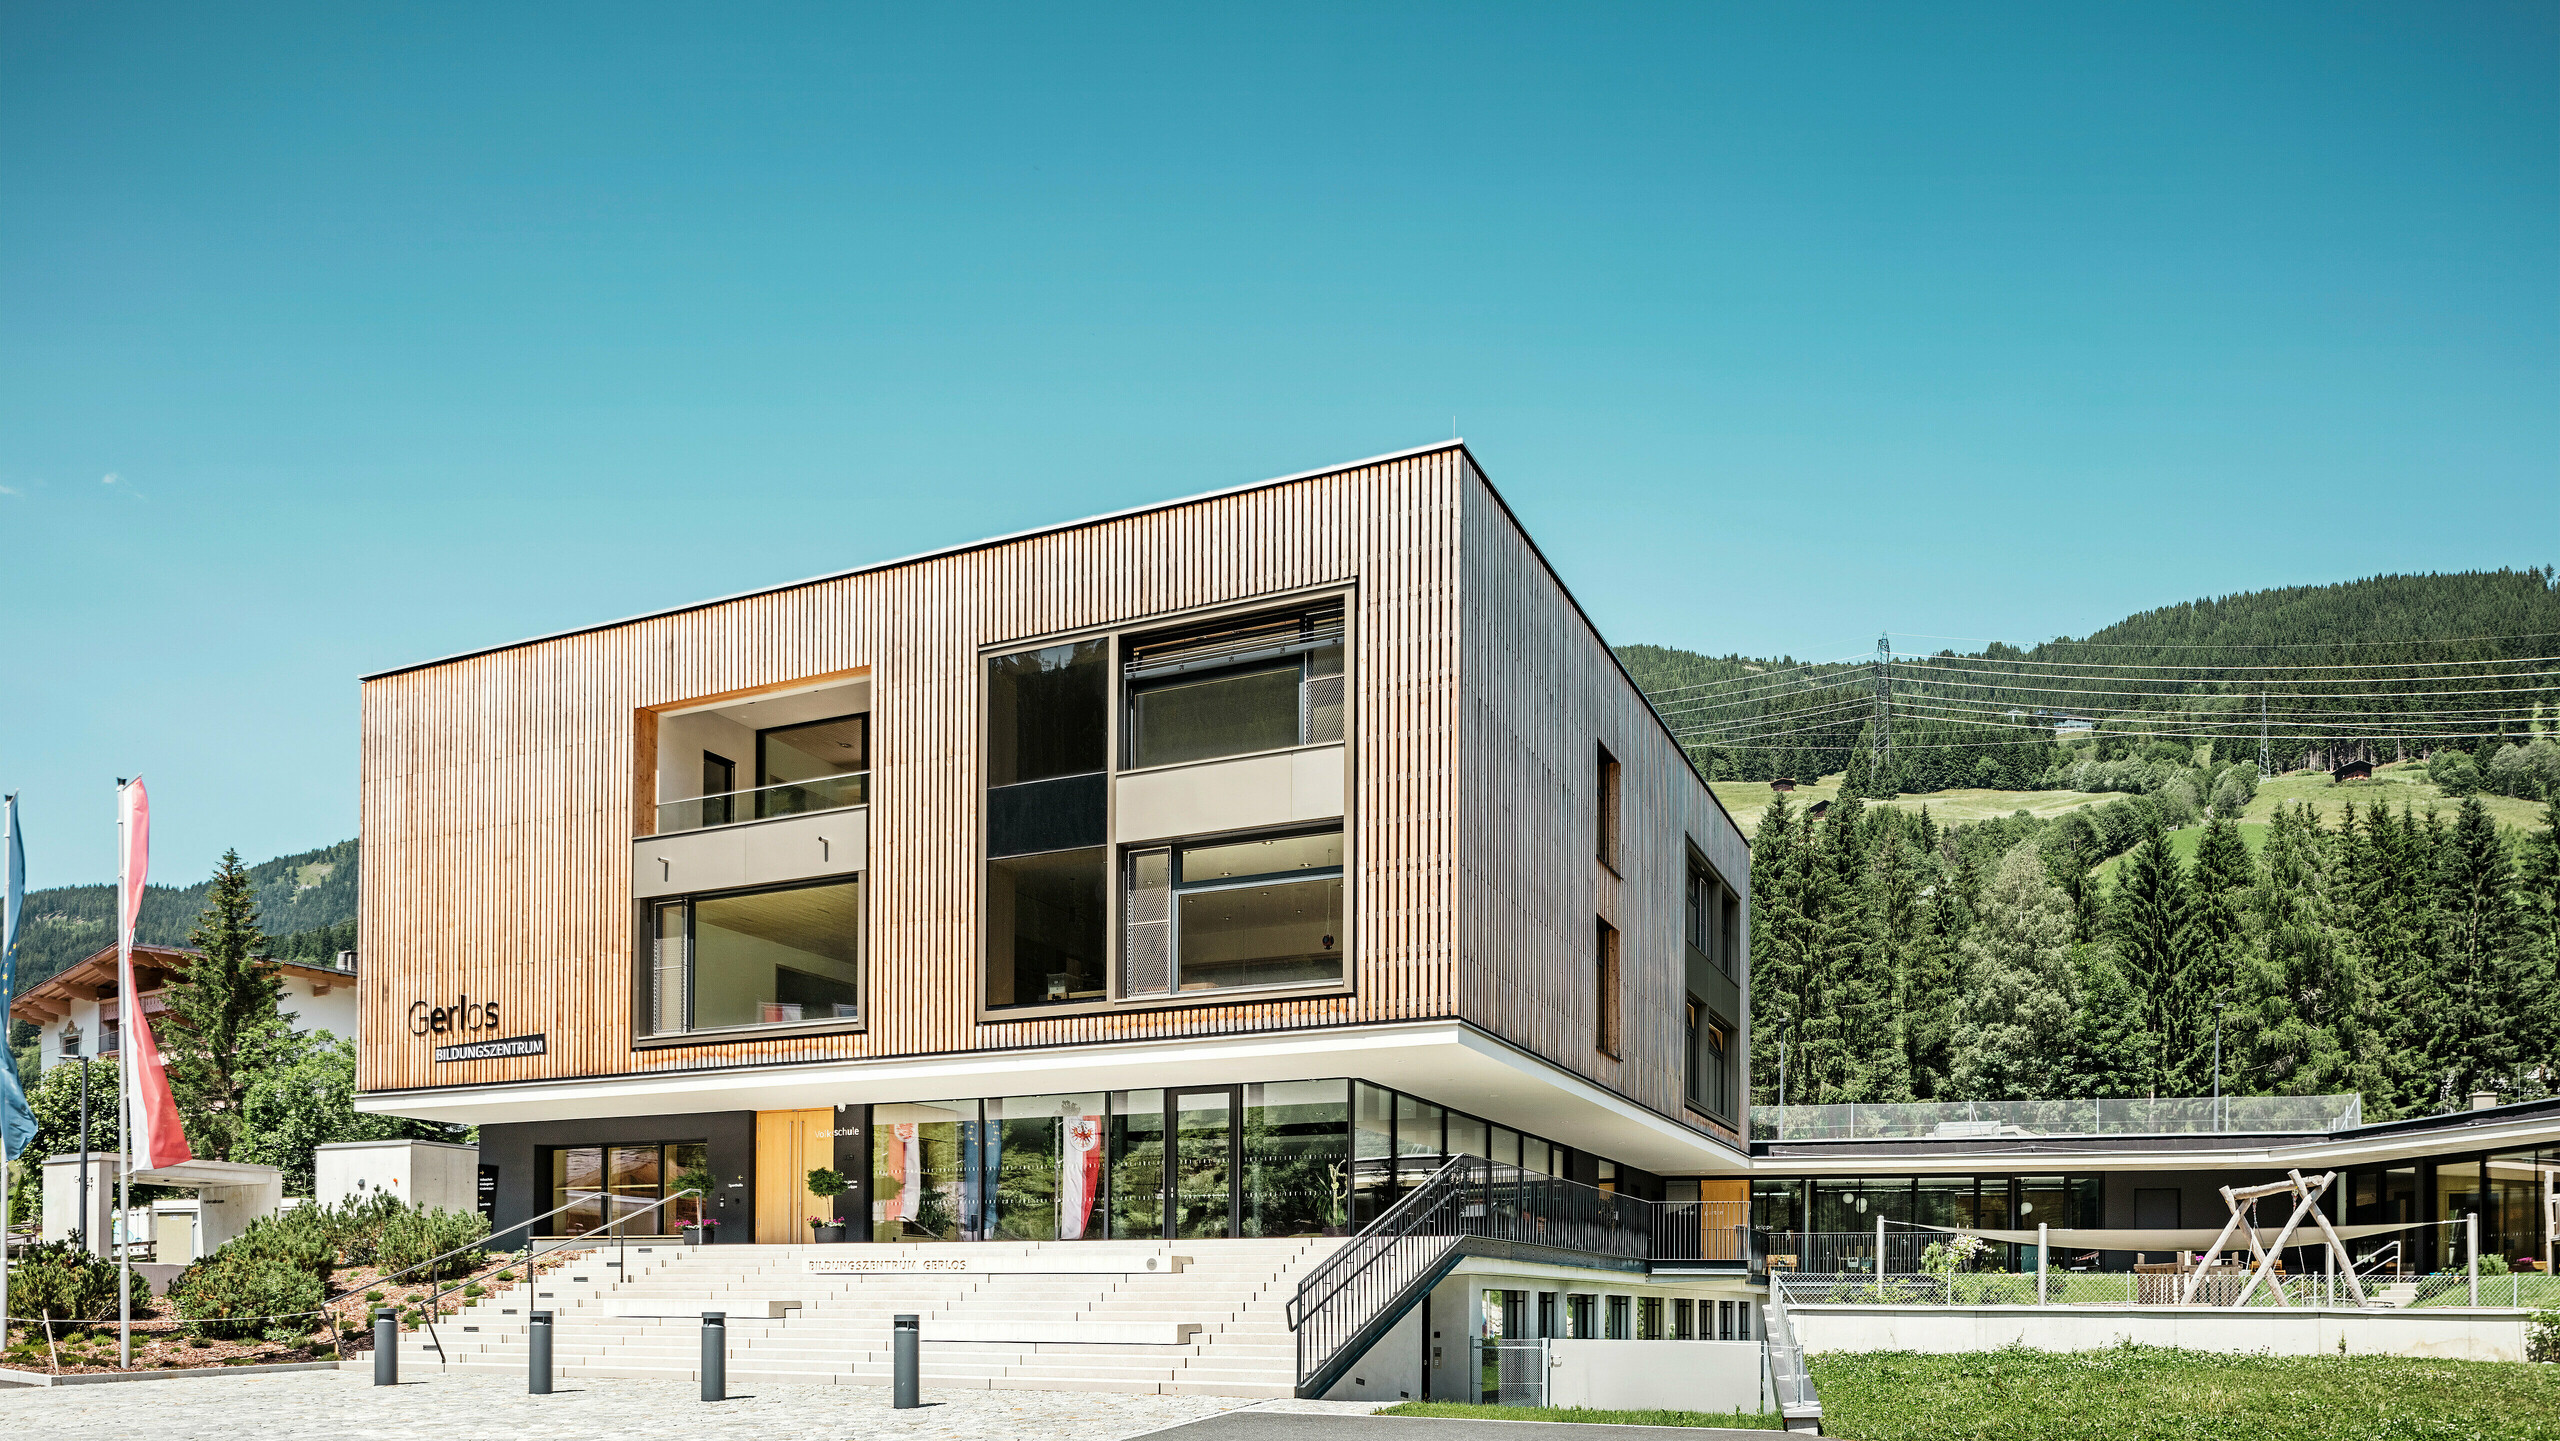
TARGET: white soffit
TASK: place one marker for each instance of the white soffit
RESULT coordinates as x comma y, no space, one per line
1440,1061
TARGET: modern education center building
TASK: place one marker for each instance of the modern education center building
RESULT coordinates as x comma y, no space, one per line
1193,872
1214,873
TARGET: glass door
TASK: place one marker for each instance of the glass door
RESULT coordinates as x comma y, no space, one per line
1204,1167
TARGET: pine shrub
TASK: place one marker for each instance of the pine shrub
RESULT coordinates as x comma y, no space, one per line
232,1294
60,1280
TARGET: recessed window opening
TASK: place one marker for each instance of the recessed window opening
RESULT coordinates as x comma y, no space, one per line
756,958
765,757
1606,998
1608,809
1236,687
1226,914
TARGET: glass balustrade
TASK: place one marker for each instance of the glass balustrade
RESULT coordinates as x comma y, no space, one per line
791,798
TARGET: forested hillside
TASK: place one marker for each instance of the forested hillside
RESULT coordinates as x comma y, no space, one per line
306,904
2411,955
2379,669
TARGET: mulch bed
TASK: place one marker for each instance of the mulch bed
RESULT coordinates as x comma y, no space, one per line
161,1342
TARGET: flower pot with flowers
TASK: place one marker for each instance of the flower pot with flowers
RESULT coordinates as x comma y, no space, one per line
826,1184
700,1231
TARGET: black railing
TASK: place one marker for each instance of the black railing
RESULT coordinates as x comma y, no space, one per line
1345,1304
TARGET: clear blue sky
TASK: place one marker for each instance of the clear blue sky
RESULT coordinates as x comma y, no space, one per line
335,336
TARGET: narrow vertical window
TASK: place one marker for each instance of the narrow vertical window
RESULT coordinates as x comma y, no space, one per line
1608,798
1691,1088
1605,997
1718,1066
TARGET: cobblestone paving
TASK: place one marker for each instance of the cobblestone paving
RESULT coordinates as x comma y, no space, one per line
346,1406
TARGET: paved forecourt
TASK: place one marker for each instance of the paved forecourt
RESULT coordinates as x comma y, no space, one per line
347,1406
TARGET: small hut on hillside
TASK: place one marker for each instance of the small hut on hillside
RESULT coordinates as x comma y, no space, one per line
2352,771
1820,809
1783,783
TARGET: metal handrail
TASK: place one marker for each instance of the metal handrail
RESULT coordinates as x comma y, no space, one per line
482,1244
622,1255
1799,1407
1372,1277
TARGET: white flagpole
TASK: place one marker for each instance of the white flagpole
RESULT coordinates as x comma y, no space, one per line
128,1014
9,843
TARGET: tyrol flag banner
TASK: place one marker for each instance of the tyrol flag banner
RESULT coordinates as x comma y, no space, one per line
158,1139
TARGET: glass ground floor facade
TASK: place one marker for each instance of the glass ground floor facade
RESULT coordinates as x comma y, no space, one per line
1259,1159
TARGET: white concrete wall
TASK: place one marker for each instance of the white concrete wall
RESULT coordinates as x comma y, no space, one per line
2450,1332
422,1173
225,1211
62,1196
1642,1375
1392,1369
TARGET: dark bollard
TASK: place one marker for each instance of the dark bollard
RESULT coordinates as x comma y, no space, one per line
903,1351
537,1373
386,1347
715,1355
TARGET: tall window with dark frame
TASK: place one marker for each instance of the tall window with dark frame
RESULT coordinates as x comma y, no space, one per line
1607,795
1605,996
1048,866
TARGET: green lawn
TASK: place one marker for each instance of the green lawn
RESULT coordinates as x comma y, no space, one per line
2139,1393
1746,800
2395,785
1455,1410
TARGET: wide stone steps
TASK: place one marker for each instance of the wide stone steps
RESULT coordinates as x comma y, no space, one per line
1226,1305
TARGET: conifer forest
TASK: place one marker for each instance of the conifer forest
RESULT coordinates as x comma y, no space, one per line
2168,933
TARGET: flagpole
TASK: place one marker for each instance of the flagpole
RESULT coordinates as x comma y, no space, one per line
129,1014
12,877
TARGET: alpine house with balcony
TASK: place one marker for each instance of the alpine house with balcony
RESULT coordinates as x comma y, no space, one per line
1221,869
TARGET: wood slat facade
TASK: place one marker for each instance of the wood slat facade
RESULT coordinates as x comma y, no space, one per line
502,790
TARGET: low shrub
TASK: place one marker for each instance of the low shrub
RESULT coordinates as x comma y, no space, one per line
355,1225
60,1280
298,1238
2542,1336
415,1236
231,1295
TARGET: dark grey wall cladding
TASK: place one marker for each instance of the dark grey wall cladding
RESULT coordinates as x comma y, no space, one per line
524,1190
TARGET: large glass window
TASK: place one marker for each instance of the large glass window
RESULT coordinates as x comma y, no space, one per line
603,1184
1048,752
756,958
1046,1154
815,766
1137,1164
1045,928
1295,1152
1236,687
921,1171
1227,914
2520,1183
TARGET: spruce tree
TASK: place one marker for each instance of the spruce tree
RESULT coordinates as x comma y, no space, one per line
2152,925
2014,1022
2301,1028
226,1009
2111,1053
2480,999
1777,948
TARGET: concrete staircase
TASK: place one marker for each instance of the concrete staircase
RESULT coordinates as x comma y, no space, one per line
1215,1327
2404,1293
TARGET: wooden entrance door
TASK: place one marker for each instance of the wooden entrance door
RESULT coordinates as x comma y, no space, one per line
789,1145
